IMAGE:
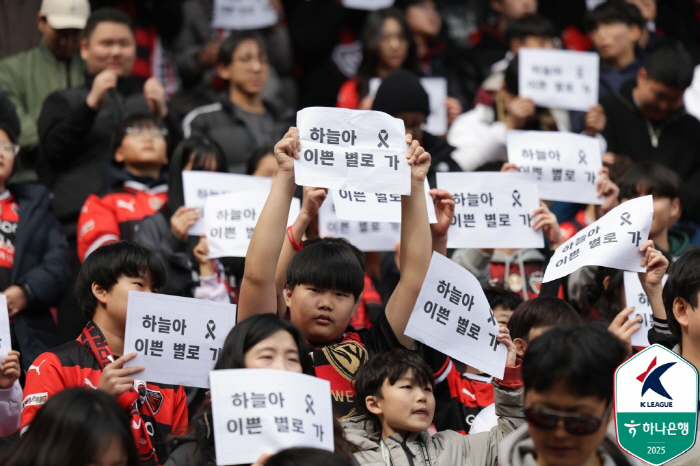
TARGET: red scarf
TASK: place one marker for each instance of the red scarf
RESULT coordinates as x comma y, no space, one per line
95,342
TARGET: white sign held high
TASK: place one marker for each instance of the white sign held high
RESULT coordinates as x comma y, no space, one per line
636,297
565,165
178,339
561,79
370,5
612,241
5,342
258,411
366,236
230,220
492,210
198,185
243,14
453,316
352,150
375,207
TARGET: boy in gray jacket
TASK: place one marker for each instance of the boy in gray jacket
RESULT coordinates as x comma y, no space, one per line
395,396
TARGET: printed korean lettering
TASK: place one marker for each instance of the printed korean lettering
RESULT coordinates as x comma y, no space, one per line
393,161
367,160
351,160
462,324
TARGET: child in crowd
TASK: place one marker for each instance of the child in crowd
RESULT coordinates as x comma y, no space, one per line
568,375
166,231
10,394
138,189
325,280
96,358
80,427
615,27
396,402
34,257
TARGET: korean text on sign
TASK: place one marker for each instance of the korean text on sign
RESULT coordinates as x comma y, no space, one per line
243,14
636,297
199,185
5,343
260,411
453,316
230,220
352,150
178,339
366,236
559,78
612,241
565,165
492,210
375,207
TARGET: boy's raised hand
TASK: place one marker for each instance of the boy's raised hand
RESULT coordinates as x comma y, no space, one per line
116,379
609,190
182,220
9,370
444,211
623,327
544,219
288,149
313,199
418,159
656,265
504,337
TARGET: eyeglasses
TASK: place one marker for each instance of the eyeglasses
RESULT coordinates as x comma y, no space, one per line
575,424
9,149
154,133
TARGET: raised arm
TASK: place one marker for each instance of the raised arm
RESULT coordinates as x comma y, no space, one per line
445,212
258,293
652,279
416,245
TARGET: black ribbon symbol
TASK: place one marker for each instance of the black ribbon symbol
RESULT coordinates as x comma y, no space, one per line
516,198
582,158
310,404
382,140
625,219
211,326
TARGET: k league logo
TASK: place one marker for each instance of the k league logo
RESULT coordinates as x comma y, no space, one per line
656,405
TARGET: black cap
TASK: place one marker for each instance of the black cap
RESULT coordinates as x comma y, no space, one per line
401,91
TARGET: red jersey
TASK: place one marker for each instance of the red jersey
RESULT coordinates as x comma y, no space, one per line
113,217
156,410
9,219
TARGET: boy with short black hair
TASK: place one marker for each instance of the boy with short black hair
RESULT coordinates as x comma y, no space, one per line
93,360
666,187
324,280
568,376
503,302
615,27
395,397
138,187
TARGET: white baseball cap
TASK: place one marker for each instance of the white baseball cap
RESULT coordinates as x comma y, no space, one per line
66,14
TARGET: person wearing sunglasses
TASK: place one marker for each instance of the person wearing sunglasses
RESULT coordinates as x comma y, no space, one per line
568,390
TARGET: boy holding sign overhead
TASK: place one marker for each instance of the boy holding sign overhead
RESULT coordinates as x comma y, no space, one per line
93,360
325,280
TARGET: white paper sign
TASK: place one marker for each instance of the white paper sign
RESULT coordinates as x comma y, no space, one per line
198,185
258,411
243,14
366,236
612,241
561,79
353,150
453,316
636,297
436,123
5,342
375,207
230,220
492,210
565,165
178,339
370,5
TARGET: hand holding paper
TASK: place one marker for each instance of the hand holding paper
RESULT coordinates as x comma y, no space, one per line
117,379
286,150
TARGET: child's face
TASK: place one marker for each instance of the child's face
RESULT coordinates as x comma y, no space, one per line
393,45
115,300
7,156
615,40
143,146
502,314
424,19
278,351
405,406
513,9
666,213
558,447
321,314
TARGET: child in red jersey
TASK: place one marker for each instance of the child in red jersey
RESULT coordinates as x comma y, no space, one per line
138,188
93,360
